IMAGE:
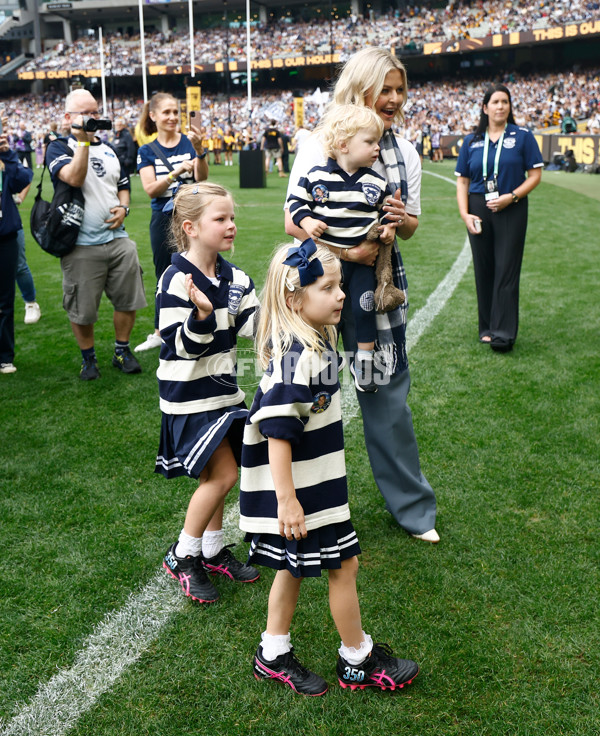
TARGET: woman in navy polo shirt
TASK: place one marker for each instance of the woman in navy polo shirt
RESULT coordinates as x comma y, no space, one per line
187,163
498,165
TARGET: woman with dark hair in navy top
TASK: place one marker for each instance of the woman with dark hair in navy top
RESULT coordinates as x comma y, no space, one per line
498,166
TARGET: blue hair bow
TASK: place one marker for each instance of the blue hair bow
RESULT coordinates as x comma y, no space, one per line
298,257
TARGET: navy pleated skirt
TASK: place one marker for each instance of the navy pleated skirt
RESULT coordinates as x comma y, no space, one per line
187,441
323,549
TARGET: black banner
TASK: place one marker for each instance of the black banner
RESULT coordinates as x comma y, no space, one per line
498,40
290,62
586,148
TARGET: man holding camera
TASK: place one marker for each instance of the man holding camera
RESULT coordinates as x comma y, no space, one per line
105,259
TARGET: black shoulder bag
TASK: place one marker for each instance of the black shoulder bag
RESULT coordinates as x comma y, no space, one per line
55,225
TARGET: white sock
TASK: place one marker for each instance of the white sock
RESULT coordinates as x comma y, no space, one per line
212,543
273,646
188,546
357,656
364,354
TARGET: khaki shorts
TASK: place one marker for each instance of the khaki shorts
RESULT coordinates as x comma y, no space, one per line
90,270
275,152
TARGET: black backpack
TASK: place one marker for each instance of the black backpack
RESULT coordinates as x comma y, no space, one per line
55,225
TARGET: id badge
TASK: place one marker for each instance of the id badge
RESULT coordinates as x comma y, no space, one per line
491,190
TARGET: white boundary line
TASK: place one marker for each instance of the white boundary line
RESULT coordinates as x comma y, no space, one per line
117,642
124,635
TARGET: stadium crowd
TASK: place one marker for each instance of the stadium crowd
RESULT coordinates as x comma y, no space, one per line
450,107
403,28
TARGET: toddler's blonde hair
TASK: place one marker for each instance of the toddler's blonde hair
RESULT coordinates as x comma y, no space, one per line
342,122
279,325
189,204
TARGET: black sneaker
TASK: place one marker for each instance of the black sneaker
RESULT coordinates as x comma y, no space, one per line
287,670
363,373
190,574
224,563
380,669
89,370
125,362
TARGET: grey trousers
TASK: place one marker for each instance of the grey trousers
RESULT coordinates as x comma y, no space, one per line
392,447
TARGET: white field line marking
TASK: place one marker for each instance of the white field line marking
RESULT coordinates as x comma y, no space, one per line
437,299
117,642
123,636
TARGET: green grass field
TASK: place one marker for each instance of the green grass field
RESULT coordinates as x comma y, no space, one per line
502,615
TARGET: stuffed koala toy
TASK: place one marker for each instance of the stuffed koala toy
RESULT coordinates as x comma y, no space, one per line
387,296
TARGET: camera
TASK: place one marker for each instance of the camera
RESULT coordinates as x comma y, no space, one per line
91,125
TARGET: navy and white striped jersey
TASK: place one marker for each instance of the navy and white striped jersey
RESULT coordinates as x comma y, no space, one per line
298,400
348,203
197,366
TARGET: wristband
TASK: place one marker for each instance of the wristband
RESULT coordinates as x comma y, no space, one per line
82,144
201,156
170,176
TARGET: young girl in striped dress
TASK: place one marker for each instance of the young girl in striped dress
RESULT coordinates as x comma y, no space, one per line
294,496
204,303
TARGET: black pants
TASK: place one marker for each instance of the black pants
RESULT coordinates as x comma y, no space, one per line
25,158
9,253
160,225
497,257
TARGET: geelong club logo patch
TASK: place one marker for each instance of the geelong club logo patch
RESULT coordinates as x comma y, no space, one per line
372,193
236,293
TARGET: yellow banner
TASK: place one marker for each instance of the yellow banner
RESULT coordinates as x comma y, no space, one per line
193,97
299,112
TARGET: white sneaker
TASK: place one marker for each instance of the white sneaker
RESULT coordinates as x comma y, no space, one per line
430,536
32,313
151,342
7,368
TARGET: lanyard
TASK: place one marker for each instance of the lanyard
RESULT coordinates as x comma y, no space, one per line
486,147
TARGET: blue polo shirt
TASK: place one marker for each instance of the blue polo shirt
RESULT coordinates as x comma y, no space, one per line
520,152
183,151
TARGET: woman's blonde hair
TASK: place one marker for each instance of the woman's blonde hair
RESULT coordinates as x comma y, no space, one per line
364,73
279,324
147,125
189,203
342,122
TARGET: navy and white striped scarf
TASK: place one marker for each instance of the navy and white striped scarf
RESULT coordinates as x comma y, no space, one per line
391,326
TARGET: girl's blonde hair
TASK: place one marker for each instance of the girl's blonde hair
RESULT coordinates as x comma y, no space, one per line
190,203
364,73
147,125
342,122
279,324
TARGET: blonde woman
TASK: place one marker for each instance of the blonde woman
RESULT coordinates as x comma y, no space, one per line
377,79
